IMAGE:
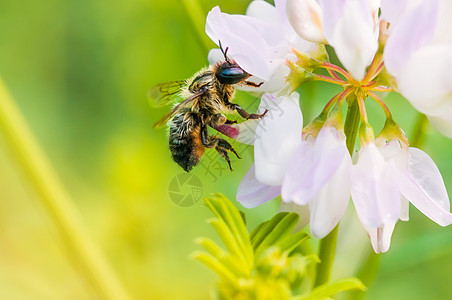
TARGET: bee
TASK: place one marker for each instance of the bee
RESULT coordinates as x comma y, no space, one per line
206,97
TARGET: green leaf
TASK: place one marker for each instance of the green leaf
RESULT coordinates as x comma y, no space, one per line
223,208
267,228
227,237
213,264
331,289
256,230
230,262
284,228
290,242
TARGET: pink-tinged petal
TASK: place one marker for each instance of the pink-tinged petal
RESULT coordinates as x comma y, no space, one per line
329,205
398,152
297,172
392,10
301,210
443,122
252,193
423,186
414,30
426,80
310,169
277,136
380,237
244,38
332,11
374,188
305,16
353,36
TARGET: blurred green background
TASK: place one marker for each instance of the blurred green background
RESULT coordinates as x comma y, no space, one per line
79,71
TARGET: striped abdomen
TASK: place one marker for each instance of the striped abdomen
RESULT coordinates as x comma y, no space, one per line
185,139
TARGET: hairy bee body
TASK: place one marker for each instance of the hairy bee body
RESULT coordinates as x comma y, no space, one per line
207,96
185,139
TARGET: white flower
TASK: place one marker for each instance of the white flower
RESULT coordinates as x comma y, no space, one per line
418,53
277,136
319,175
260,42
384,178
349,26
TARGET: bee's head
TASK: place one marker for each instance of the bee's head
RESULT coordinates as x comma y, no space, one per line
229,72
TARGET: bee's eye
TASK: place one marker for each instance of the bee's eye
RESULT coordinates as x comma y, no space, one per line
230,75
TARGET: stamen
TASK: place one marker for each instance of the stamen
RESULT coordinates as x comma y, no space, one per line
382,89
362,108
328,79
381,103
339,98
341,71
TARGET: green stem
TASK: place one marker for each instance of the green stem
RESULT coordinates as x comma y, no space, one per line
327,248
198,18
366,274
42,177
419,131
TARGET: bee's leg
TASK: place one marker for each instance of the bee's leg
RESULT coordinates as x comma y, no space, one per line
230,122
244,114
222,147
250,83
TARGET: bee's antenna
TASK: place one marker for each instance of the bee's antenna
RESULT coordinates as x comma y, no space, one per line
225,52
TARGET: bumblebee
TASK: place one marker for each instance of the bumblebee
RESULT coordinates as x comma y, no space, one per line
207,96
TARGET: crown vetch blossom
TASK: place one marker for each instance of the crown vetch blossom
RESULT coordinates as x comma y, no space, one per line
387,175
407,46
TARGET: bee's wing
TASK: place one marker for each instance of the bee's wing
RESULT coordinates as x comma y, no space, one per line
166,93
172,112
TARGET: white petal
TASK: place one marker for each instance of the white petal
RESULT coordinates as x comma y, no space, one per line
329,205
423,186
252,193
392,10
277,136
306,18
443,34
301,210
380,237
404,209
374,189
414,30
264,11
352,35
426,80
313,167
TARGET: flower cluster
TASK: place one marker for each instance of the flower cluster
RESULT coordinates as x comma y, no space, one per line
401,46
